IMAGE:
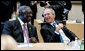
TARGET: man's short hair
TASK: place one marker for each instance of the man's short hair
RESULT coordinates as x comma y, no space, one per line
22,9
52,11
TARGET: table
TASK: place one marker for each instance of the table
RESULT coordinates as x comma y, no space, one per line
46,46
76,28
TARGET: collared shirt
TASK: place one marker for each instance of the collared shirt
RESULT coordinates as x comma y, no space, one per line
65,38
53,26
21,22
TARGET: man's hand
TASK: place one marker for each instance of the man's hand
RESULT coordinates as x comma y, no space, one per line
33,40
47,6
60,26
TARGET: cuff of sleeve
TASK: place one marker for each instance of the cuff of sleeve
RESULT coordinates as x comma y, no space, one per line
56,32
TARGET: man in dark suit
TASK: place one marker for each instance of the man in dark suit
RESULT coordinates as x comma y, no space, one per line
53,31
19,29
67,8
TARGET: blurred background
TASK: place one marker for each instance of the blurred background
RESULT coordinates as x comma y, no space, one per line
74,13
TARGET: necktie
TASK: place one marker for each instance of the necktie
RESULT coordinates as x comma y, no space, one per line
65,39
61,37
26,33
54,25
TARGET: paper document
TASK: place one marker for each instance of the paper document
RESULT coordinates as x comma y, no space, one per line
24,45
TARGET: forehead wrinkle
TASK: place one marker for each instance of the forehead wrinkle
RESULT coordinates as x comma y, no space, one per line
47,11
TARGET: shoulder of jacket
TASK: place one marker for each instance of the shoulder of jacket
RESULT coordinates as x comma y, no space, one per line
45,26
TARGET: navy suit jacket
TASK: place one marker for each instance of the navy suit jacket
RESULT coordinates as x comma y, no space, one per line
49,35
14,29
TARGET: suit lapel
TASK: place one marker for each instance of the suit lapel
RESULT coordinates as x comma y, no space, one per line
18,32
19,25
50,28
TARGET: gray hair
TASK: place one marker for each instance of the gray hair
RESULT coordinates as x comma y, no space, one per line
52,11
22,9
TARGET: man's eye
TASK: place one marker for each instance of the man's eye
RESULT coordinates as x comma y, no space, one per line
47,14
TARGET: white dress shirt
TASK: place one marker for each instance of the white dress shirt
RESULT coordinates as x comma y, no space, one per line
21,22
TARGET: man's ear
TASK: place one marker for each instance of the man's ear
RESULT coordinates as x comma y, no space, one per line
54,15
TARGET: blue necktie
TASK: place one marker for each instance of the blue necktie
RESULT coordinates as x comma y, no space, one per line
61,38
54,25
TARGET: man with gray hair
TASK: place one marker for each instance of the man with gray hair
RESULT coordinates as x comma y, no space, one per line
53,31
20,29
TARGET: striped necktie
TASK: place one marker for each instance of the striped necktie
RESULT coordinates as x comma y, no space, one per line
26,33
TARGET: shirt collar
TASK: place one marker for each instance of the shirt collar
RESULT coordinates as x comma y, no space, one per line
21,22
52,23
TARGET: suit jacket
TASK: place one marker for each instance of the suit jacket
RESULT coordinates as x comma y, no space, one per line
68,5
14,29
49,35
